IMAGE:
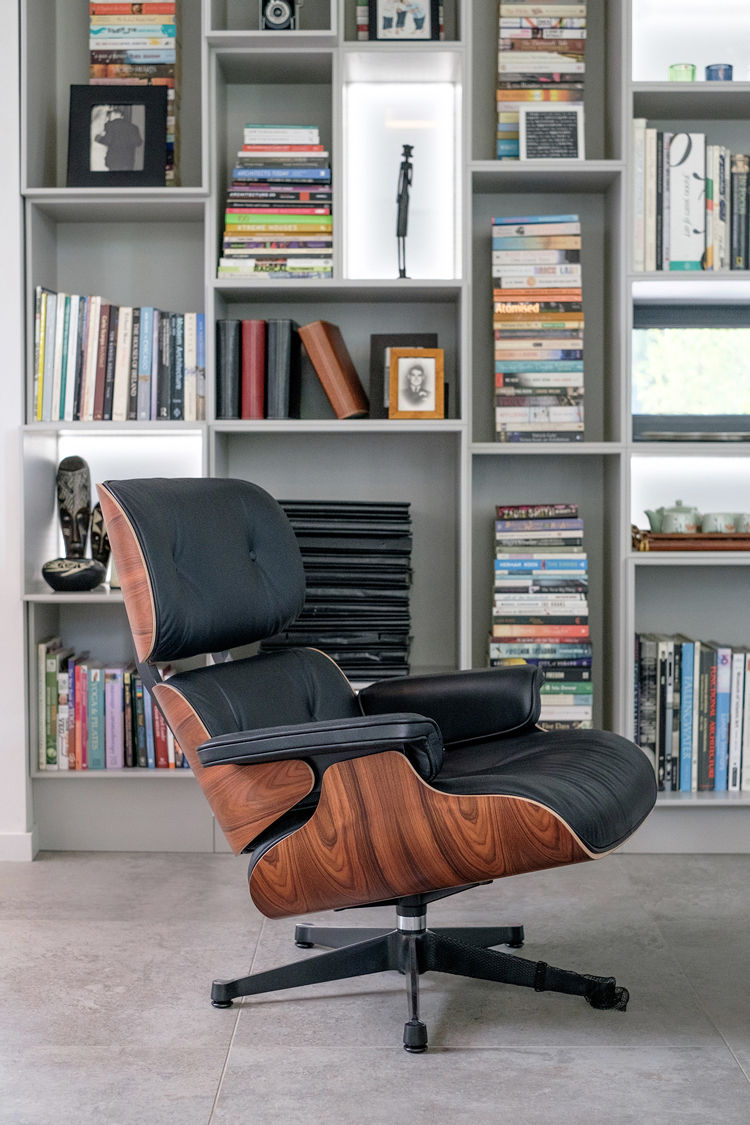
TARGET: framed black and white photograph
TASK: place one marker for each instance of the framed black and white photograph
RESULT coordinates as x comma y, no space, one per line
117,136
405,20
417,383
550,132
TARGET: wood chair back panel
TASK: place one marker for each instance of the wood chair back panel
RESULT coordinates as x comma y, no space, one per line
244,799
380,832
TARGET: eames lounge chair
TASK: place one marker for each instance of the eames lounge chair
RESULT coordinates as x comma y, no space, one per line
410,791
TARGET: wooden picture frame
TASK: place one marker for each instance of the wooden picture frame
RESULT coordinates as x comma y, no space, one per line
117,136
417,383
404,21
551,131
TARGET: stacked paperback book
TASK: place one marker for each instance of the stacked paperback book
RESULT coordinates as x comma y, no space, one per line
538,328
357,560
139,45
96,716
692,712
540,606
540,63
97,361
278,220
690,209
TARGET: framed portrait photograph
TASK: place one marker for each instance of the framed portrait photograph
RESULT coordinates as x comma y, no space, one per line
117,136
404,20
550,132
417,383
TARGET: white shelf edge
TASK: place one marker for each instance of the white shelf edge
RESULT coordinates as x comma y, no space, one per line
110,774
99,596
709,799
702,449
570,448
690,558
339,425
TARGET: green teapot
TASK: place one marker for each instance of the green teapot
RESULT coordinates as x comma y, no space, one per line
679,518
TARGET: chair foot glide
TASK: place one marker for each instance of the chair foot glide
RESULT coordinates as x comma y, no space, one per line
415,1037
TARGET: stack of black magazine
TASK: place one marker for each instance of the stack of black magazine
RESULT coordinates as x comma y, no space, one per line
357,559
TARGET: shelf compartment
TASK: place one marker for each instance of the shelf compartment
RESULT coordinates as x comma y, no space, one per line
698,604
118,205
674,31
592,483
391,464
544,175
365,311
698,101
140,454
602,261
602,81
238,22
55,38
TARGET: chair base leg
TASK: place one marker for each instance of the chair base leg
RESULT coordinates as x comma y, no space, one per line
412,949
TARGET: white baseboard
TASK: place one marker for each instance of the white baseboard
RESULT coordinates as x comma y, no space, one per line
19,847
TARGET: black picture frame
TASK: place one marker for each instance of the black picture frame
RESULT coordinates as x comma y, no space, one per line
403,21
136,154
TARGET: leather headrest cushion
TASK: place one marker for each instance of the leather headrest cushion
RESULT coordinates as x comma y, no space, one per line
223,563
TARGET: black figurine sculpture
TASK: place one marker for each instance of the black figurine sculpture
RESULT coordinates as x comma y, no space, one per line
402,201
76,571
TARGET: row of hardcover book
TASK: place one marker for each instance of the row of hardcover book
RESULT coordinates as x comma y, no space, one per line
259,368
540,607
278,218
692,712
538,328
139,45
691,202
541,60
97,361
96,716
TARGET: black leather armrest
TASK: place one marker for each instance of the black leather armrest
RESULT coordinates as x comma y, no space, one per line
414,735
467,706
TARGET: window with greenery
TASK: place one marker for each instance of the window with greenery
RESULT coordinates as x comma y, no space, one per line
681,368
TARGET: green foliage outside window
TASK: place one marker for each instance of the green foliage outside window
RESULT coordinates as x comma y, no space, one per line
691,371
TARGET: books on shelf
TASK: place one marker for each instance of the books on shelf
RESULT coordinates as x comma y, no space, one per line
538,328
278,217
97,361
259,368
97,716
357,561
540,606
540,61
690,209
139,45
692,712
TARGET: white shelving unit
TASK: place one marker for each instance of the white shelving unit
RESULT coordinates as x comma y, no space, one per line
160,246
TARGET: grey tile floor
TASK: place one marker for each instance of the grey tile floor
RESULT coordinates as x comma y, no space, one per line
106,962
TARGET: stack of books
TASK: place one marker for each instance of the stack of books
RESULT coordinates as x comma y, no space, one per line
690,210
96,716
692,712
278,220
538,328
541,51
97,361
357,560
540,606
139,45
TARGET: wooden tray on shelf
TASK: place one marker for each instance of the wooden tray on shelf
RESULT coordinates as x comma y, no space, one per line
689,541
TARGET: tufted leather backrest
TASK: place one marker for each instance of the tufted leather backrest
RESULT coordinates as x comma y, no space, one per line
205,565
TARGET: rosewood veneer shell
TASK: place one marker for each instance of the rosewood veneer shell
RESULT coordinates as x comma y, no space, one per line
381,832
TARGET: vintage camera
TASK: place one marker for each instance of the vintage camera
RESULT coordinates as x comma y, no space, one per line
278,15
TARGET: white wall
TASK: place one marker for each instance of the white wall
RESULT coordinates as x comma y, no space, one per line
16,837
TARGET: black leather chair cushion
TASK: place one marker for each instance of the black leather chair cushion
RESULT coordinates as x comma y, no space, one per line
601,785
467,706
223,562
302,685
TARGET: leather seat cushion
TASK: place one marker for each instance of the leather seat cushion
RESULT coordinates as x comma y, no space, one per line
600,784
